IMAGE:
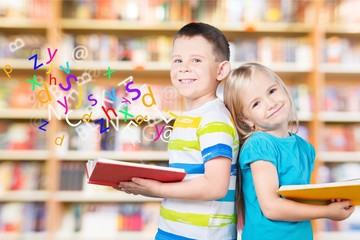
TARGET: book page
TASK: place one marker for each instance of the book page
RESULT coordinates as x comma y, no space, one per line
140,165
321,185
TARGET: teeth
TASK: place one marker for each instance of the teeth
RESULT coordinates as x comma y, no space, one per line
186,80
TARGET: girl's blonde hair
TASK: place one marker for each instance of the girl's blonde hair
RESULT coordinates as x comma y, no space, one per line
237,84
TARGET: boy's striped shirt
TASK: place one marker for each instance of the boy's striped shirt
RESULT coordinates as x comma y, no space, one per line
199,136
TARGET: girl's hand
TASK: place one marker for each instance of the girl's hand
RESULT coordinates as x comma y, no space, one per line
140,186
339,209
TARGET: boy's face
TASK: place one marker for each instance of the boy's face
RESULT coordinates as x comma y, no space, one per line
267,106
194,71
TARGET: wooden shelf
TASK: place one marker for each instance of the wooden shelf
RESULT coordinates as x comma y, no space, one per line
21,64
342,117
172,27
349,68
23,114
127,66
78,236
344,29
24,155
343,157
338,235
101,196
116,155
26,24
265,28
106,236
118,25
27,236
24,196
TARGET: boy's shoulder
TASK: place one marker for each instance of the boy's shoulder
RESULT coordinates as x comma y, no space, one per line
211,112
215,108
216,105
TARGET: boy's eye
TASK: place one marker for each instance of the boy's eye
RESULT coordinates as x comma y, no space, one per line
196,60
177,60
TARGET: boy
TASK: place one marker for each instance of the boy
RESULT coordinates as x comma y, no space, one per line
204,142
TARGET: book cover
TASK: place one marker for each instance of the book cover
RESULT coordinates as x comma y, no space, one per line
322,193
111,172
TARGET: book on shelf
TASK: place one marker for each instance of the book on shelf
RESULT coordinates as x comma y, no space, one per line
21,176
19,217
342,98
322,193
90,219
71,176
109,172
341,137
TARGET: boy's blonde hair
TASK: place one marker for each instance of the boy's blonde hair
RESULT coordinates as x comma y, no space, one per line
237,84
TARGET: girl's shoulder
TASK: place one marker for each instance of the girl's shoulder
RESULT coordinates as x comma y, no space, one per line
258,146
259,136
259,140
267,141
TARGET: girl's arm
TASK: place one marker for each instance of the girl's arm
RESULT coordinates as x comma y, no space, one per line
212,185
274,207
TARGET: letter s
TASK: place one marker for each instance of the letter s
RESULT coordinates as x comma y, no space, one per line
92,99
133,90
68,78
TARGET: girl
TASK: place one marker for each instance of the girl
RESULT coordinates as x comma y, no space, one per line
272,155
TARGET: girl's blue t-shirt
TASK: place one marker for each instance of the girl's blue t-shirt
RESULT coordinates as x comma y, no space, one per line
293,158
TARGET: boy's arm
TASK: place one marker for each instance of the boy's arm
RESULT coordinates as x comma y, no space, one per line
212,185
274,207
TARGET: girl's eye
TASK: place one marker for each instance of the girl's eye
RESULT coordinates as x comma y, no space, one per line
273,90
196,60
177,60
255,104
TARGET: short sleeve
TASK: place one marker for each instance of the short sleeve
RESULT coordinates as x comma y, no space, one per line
312,156
258,147
216,136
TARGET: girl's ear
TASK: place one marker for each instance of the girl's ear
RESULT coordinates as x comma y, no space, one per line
246,123
223,70
250,123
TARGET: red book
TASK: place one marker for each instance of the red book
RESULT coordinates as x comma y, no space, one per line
111,172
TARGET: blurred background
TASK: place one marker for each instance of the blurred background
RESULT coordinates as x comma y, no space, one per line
65,65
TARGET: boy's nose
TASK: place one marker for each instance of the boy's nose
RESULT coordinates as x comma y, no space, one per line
184,68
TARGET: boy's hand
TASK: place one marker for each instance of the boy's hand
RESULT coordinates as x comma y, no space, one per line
141,186
340,209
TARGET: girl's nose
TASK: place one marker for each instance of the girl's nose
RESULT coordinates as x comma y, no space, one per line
270,103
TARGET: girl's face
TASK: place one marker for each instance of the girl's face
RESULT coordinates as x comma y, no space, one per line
266,106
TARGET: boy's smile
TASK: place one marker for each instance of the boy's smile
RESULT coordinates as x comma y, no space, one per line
187,80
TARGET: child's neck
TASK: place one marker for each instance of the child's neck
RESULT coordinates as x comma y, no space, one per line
280,133
190,104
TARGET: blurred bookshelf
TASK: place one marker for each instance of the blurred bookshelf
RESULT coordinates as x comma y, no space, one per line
312,45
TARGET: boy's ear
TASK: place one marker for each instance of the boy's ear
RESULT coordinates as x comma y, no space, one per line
223,70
